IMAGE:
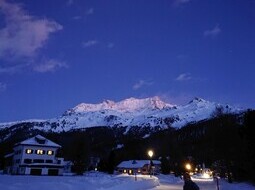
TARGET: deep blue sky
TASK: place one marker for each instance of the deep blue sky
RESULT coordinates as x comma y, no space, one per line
57,54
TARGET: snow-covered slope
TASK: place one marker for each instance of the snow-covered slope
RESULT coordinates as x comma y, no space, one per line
148,112
137,112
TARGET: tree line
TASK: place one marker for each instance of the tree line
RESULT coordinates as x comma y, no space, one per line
224,143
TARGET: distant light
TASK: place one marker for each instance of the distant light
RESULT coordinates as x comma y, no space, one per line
202,178
206,175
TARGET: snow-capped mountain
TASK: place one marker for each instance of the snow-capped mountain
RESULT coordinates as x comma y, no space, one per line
127,105
148,112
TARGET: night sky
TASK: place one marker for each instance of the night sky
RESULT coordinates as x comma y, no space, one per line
55,54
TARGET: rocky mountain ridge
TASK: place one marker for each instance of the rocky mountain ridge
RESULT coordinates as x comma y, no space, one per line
147,112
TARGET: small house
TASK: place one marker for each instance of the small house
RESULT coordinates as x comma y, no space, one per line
35,156
139,167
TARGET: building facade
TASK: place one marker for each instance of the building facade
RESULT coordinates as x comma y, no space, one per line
145,167
35,156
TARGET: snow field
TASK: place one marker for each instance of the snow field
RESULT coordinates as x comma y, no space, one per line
94,181
101,181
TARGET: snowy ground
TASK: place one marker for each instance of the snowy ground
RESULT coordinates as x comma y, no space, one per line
99,181
169,182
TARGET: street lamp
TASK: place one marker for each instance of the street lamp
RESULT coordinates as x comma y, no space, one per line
150,154
188,166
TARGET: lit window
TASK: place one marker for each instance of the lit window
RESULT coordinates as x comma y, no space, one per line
130,171
39,151
50,152
29,151
125,171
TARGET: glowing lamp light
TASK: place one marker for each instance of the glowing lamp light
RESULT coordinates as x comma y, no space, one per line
188,166
150,153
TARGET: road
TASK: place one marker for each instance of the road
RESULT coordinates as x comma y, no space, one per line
168,184
179,186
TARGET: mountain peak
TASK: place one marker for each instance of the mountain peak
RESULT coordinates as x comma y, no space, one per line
109,103
126,105
196,100
131,104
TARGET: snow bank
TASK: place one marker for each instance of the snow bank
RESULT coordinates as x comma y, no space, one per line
96,181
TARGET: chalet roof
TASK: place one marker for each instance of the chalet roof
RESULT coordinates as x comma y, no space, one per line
9,155
136,163
39,140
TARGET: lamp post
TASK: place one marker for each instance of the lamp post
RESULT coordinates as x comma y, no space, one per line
150,154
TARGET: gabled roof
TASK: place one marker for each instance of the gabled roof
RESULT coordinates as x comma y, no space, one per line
136,163
39,140
9,155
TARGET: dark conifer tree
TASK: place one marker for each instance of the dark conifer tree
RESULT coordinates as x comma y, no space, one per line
165,165
80,155
248,135
111,162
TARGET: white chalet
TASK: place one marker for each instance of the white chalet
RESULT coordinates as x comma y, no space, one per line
35,156
139,167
